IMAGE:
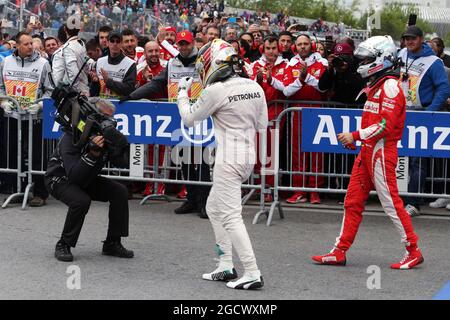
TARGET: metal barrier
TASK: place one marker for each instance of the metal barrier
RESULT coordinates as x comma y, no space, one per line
154,172
10,117
330,173
292,171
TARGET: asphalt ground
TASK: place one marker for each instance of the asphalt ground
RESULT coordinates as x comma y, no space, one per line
172,251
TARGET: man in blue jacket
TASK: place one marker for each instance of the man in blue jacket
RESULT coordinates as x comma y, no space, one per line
426,87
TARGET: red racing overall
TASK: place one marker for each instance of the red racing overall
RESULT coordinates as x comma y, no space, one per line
382,127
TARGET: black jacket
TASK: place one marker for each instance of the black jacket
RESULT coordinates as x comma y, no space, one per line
128,84
75,164
344,87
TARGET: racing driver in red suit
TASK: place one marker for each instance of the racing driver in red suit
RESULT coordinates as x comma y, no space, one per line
381,128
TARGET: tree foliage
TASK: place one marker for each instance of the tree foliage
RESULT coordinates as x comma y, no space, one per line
393,17
329,10
394,20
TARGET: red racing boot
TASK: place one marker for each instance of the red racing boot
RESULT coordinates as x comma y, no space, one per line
336,257
412,258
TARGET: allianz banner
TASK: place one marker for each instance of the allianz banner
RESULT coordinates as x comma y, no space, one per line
145,122
426,134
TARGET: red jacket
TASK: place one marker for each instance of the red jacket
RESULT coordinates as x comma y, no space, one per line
153,72
167,50
307,89
271,90
384,113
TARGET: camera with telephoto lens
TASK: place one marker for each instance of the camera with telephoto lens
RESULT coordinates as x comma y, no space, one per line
76,113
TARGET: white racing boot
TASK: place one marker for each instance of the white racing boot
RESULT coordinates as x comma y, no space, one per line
224,272
250,281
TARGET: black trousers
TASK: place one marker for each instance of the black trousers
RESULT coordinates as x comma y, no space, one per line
79,200
196,172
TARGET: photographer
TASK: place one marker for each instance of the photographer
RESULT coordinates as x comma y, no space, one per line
73,178
341,78
343,84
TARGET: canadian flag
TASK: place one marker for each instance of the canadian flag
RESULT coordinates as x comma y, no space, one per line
19,91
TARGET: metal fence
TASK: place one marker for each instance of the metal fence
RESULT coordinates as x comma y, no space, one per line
290,169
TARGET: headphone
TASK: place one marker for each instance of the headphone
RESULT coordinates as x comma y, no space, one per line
313,44
273,38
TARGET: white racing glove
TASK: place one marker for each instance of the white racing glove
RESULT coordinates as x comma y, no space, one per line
8,106
183,87
35,108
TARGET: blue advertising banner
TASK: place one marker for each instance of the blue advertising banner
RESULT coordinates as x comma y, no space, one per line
145,122
426,134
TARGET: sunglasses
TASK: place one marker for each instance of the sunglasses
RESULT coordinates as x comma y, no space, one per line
115,41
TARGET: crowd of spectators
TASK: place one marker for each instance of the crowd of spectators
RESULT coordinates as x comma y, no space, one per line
145,17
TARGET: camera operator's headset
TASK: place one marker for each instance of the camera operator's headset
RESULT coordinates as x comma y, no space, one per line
313,44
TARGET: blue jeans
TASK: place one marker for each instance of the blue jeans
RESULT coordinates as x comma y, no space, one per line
417,174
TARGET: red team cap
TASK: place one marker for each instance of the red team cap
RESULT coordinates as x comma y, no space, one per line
170,29
185,35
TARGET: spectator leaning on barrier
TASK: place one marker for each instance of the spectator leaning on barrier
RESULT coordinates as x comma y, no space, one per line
116,72
426,87
302,83
70,58
167,81
269,72
25,77
146,72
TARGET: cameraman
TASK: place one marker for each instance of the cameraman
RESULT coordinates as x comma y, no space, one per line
73,177
341,79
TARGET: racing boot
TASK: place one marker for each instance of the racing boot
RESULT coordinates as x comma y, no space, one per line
412,258
335,257
250,281
225,270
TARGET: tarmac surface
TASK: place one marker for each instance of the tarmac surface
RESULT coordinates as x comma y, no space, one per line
172,251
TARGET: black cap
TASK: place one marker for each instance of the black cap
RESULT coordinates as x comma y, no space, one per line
413,31
115,35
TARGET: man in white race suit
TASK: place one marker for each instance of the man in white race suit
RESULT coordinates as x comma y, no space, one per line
239,110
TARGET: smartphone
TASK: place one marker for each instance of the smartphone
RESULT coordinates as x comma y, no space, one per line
33,20
232,19
412,20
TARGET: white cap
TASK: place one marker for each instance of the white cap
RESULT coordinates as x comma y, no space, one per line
74,22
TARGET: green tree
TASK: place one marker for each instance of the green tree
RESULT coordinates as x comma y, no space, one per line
447,40
393,21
